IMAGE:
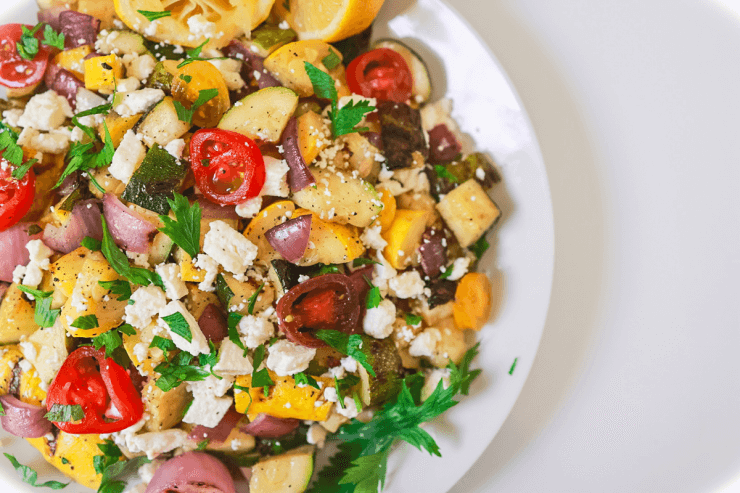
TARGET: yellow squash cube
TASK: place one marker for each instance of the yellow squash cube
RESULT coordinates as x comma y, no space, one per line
102,73
404,237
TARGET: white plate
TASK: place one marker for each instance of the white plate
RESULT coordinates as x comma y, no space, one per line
520,260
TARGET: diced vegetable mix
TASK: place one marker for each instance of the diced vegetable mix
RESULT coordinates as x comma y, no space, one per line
246,246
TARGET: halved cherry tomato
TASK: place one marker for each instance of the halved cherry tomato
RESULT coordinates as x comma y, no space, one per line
16,196
101,387
381,73
15,71
327,302
228,166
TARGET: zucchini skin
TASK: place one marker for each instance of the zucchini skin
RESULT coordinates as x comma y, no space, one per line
156,180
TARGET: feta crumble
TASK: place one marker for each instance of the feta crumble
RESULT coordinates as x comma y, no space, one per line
229,248
287,358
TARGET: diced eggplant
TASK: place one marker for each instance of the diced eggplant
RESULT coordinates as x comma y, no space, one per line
401,133
443,291
354,46
158,177
422,88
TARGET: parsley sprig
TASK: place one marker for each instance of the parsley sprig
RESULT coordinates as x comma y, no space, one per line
43,315
153,16
363,456
184,230
28,46
30,476
13,153
119,261
64,413
179,370
343,119
349,345
113,343
186,114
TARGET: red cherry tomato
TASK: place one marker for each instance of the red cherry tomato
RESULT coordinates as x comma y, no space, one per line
15,71
228,166
381,73
16,196
101,387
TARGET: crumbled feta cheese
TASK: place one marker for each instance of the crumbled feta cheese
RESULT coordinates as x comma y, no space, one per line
158,442
211,386
337,372
46,111
138,101
256,330
407,285
141,351
54,142
198,343
151,29
425,343
349,364
287,358
229,248
372,239
459,268
25,365
378,321
209,265
140,259
316,435
174,286
127,158
276,178
250,208
284,25
147,303
232,361
78,300
350,408
330,394
18,273
175,148
200,27
10,117
139,66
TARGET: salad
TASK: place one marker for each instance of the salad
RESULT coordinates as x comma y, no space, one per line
232,235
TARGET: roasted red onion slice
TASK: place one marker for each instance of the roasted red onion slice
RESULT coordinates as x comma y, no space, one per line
253,64
79,29
221,432
266,426
340,310
433,253
51,15
213,324
192,472
209,210
375,139
290,239
85,221
3,289
51,73
299,176
443,146
128,228
13,247
22,419
66,84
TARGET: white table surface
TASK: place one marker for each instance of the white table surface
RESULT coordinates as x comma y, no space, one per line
636,387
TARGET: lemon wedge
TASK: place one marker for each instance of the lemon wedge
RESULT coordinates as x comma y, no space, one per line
194,21
329,20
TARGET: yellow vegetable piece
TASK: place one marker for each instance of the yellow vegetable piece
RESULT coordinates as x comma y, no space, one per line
404,236
102,72
65,270
17,316
218,21
188,271
100,10
30,390
313,135
385,219
11,355
302,400
117,126
74,60
73,456
199,76
90,298
330,21
472,301
287,65
330,243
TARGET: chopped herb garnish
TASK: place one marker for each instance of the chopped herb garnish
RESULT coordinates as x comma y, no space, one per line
332,60
113,342
179,325
166,345
53,38
20,172
86,322
340,397
186,78
479,247
184,230
447,273
119,261
304,379
44,316
119,287
186,114
63,413
349,345
202,445
30,476
359,262
153,16
179,370
412,319
91,244
253,299
442,172
345,119
194,54
513,366
28,46
233,324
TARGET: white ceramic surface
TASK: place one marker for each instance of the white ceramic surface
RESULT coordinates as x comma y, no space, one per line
521,259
